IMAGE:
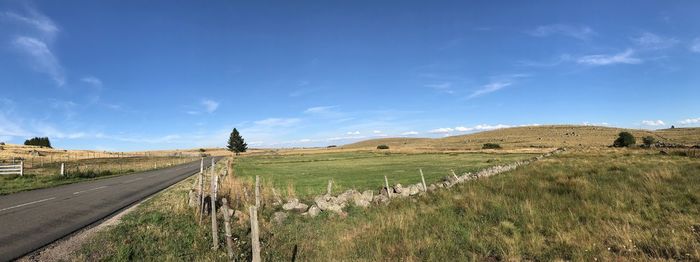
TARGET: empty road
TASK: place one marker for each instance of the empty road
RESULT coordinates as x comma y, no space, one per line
32,219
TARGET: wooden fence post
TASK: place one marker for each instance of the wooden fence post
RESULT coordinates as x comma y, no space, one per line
200,209
257,191
453,174
386,183
214,225
21,168
62,169
329,190
425,188
227,227
201,166
254,234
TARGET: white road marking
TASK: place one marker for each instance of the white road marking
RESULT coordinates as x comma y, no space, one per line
33,202
89,190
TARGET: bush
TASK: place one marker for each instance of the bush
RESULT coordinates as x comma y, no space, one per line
491,146
202,150
648,140
382,147
624,139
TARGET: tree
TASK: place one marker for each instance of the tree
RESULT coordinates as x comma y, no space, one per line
38,141
648,140
624,139
236,143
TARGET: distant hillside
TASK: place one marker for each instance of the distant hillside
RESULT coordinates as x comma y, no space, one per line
534,136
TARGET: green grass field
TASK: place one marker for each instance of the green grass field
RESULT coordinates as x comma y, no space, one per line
309,174
581,206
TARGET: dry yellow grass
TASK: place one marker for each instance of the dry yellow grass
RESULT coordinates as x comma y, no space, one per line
533,137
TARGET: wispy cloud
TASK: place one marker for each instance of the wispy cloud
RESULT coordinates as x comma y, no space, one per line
626,57
497,83
690,121
92,81
210,105
482,127
42,59
35,42
490,88
578,32
445,87
353,133
653,123
36,21
695,45
207,106
653,41
409,133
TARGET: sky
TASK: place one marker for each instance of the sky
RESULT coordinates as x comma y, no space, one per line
141,75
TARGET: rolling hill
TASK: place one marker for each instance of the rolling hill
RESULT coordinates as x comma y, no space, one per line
534,137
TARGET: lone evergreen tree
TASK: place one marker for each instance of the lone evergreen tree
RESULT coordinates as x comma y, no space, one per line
236,143
38,141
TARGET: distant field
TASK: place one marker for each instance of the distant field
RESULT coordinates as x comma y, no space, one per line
533,137
309,173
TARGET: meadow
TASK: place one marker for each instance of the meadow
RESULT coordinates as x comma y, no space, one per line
308,174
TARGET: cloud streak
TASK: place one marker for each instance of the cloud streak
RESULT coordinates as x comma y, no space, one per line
626,57
42,59
578,32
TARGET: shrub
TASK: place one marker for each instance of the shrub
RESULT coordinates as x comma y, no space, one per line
491,146
202,150
382,146
624,139
648,140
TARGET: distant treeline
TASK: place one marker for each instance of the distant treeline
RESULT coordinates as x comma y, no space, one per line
38,141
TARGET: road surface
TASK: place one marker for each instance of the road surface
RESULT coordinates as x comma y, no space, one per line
32,219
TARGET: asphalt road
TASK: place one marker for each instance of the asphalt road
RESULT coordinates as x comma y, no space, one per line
32,219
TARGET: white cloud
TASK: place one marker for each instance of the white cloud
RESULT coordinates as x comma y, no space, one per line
595,124
44,25
463,129
690,121
353,133
441,130
376,132
695,45
42,59
652,41
578,32
272,122
445,87
653,123
210,105
409,133
490,87
626,57
93,81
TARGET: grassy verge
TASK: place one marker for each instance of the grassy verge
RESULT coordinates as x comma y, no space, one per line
309,174
578,206
162,228
82,170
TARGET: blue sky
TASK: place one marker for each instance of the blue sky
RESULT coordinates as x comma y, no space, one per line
134,75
